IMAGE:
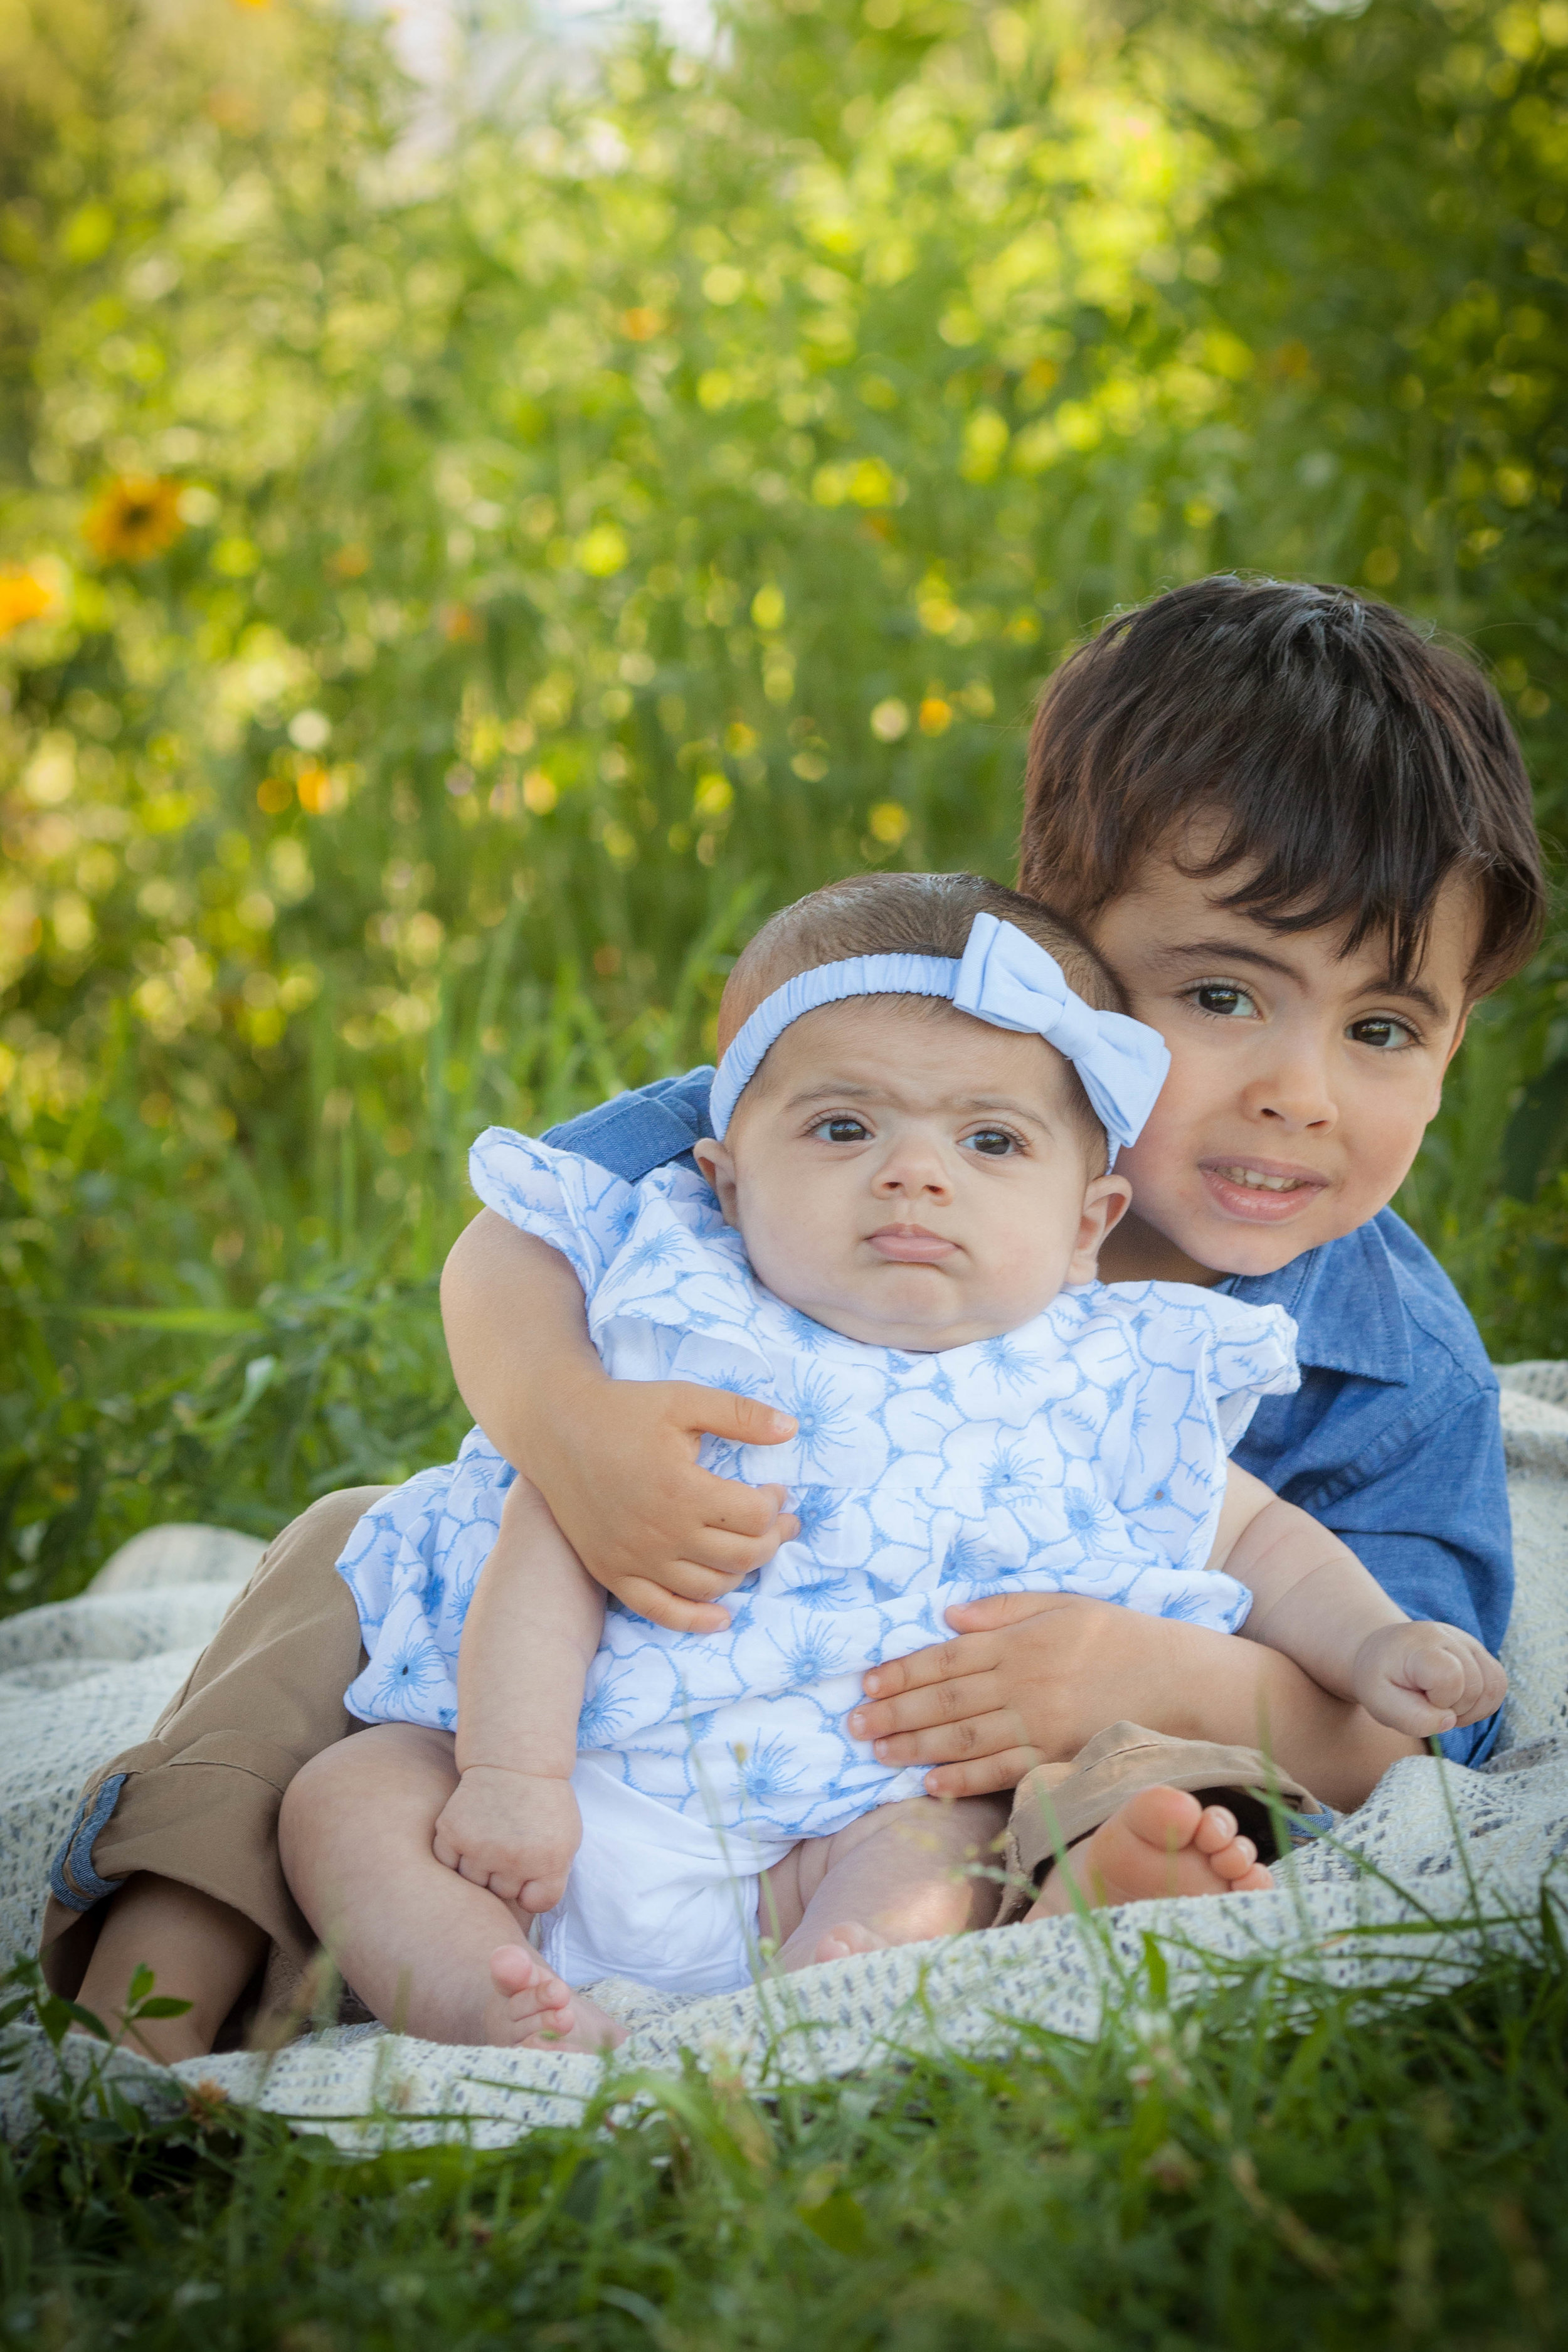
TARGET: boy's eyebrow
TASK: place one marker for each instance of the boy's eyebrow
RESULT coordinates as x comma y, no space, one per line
1414,992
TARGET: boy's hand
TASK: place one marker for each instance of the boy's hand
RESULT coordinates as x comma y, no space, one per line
1426,1679
619,1469
515,1832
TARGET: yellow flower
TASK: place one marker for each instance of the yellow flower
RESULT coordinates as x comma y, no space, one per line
23,596
135,518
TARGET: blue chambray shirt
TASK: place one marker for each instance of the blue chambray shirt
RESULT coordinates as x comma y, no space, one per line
1393,1439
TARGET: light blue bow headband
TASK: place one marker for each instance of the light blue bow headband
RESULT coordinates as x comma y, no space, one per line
1005,978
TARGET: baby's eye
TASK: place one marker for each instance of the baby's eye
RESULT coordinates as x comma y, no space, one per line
993,1141
1224,999
1382,1032
841,1128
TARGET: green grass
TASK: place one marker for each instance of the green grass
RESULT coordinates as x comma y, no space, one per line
1325,2172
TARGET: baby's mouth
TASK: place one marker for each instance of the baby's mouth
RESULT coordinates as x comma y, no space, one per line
910,1245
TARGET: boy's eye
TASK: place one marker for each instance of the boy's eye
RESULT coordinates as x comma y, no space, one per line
1224,999
993,1141
1382,1032
841,1130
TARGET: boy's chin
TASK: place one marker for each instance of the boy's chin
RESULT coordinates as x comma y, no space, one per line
1227,1248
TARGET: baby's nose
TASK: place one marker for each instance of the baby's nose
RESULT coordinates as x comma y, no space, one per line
913,1171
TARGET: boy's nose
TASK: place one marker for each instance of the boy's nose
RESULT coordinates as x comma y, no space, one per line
1294,1095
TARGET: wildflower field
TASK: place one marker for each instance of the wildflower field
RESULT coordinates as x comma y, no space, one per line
468,555
467,552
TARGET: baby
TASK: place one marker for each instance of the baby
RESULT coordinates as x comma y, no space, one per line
923,1083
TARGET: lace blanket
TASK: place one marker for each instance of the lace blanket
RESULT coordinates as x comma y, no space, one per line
1437,1862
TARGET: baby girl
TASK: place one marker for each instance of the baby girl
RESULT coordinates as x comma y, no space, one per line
923,1084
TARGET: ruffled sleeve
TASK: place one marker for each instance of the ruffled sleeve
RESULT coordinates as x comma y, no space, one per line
1202,1362
573,1203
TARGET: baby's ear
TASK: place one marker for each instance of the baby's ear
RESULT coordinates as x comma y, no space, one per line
716,1163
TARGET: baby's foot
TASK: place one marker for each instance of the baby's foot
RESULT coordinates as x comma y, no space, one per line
1161,1842
842,1943
531,2007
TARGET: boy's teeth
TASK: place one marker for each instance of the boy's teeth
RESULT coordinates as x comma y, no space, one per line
1263,1183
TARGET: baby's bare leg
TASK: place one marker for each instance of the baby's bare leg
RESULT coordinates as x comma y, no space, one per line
427,1950
899,1875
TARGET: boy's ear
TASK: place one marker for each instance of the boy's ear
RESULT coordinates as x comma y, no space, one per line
1105,1203
716,1163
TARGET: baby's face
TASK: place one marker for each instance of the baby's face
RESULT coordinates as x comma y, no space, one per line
912,1177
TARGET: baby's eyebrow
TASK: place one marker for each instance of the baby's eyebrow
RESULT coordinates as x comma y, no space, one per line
851,1090
842,1090
1008,1105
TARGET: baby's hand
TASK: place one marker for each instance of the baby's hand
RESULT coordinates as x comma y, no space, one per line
515,1832
1425,1678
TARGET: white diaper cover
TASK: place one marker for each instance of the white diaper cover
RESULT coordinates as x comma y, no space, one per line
655,1895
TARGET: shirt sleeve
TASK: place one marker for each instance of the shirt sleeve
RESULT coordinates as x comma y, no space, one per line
1203,1364
573,1203
633,1134
1441,1543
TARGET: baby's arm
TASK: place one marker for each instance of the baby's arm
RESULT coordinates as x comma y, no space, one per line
615,1460
1313,1601
533,1625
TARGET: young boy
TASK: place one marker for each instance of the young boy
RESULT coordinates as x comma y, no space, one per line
1301,835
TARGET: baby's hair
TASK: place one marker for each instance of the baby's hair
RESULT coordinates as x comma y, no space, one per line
1356,763
911,914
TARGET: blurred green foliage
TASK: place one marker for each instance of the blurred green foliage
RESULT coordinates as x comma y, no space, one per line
465,559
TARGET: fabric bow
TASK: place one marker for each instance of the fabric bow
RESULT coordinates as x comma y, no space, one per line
1011,981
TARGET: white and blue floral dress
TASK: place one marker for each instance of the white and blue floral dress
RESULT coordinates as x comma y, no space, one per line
1084,1452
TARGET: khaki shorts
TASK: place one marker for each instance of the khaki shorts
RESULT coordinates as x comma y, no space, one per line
198,1802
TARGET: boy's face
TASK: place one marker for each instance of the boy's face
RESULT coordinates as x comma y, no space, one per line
911,1177
1301,1080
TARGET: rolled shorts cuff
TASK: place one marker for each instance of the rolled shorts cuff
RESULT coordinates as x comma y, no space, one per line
72,1878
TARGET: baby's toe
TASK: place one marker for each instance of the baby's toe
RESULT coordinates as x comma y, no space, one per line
1216,1831
514,1969
1235,1859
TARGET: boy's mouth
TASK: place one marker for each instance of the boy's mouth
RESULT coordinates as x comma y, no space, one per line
911,1245
1265,1191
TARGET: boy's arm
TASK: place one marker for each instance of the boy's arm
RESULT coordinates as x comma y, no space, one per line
615,1460
1314,1601
1030,1677
1418,1490
529,1638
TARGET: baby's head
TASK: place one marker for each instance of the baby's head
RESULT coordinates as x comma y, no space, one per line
910,1175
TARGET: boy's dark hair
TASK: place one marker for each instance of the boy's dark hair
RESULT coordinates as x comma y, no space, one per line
1357,763
911,914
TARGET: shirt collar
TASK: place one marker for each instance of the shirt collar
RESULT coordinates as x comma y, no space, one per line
1344,1300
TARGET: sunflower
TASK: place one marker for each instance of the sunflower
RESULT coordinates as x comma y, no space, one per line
136,516
23,596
